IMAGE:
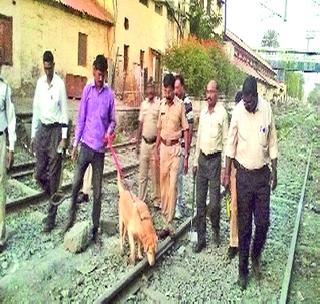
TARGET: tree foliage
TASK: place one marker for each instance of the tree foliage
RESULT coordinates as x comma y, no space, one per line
203,25
270,39
314,95
200,62
294,82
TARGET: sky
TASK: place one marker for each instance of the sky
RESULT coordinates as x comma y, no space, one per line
250,19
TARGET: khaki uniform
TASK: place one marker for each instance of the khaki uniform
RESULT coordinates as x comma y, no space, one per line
7,122
252,142
149,113
172,121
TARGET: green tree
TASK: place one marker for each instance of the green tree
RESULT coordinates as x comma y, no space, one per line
314,95
294,82
200,62
270,39
192,62
203,25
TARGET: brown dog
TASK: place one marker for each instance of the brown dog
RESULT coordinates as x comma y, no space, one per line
136,221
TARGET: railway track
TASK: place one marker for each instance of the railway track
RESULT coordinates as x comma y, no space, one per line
27,168
289,267
41,196
128,284
131,285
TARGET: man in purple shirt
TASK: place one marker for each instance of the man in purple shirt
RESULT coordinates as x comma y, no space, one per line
96,120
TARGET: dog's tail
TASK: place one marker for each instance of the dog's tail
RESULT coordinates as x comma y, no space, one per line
120,184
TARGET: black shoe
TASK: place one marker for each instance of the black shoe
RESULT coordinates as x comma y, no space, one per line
198,248
216,238
243,282
82,197
232,252
256,269
57,198
94,234
3,247
48,227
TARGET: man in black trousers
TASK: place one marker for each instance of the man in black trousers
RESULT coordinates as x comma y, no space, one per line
252,144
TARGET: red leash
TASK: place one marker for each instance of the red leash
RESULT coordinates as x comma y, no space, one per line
117,163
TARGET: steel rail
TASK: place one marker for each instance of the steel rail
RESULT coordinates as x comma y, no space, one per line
41,196
288,272
116,291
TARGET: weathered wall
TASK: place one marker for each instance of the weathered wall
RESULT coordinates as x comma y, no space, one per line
147,30
38,27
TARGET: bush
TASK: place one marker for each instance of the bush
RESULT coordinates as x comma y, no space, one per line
200,61
193,62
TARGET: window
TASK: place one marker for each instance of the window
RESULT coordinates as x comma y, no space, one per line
141,59
5,40
82,49
170,14
144,2
158,8
125,57
126,23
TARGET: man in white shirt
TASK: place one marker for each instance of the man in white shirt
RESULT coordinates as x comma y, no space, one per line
7,127
49,132
211,143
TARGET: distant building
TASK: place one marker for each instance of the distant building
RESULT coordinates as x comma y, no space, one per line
253,64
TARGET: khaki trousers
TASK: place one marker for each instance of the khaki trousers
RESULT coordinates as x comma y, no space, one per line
87,180
3,180
146,162
169,165
234,242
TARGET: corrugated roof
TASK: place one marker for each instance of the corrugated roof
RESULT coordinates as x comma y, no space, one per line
242,44
252,72
89,7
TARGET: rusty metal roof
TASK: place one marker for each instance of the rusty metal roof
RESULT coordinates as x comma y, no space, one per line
89,7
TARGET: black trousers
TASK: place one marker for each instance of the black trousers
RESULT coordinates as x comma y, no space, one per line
49,162
96,159
208,176
253,198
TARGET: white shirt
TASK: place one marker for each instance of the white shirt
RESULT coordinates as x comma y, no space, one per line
50,104
252,138
7,113
212,132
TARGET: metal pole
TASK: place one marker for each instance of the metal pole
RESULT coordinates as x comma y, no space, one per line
285,10
225,18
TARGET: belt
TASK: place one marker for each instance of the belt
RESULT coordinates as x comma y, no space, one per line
213,155
169,142
50,126
150,141
238,166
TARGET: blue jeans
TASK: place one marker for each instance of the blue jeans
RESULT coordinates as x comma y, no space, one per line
181,204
